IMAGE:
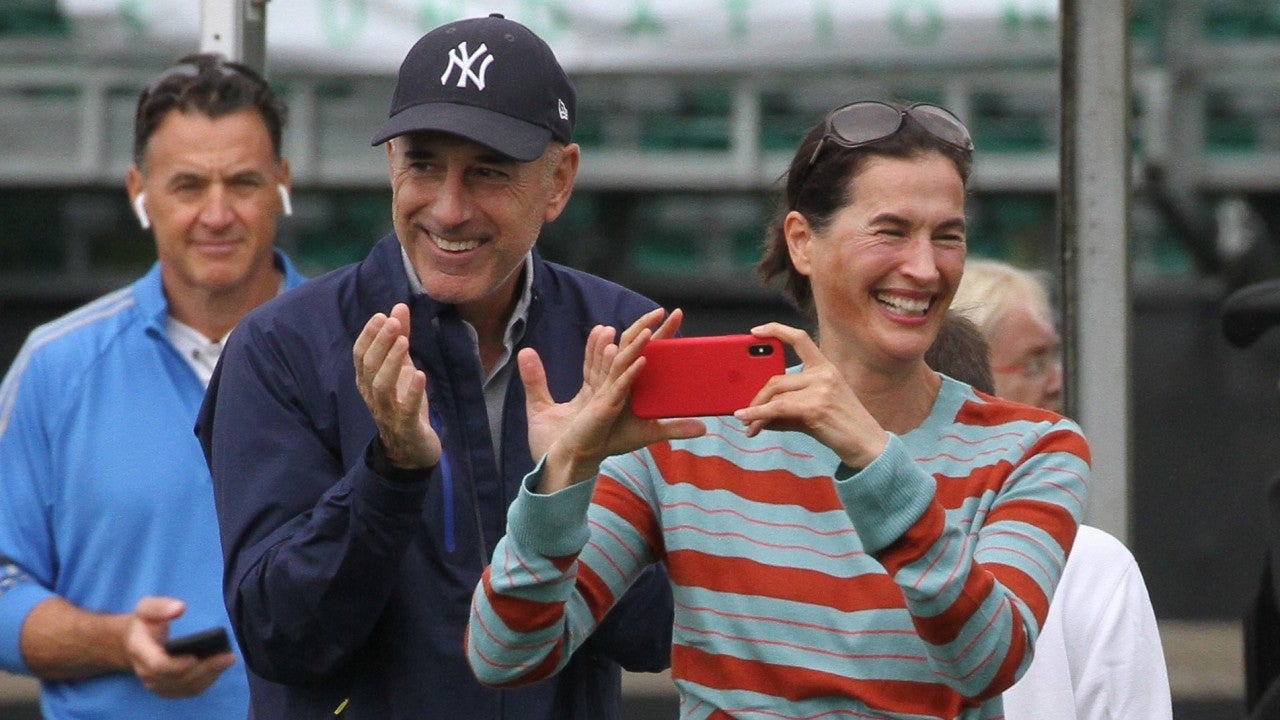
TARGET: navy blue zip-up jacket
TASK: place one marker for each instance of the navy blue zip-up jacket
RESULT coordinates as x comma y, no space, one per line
349,589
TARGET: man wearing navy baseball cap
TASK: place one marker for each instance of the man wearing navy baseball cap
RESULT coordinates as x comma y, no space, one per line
367,432
489,80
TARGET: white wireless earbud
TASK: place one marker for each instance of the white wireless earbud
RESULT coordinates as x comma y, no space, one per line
141,211
285,201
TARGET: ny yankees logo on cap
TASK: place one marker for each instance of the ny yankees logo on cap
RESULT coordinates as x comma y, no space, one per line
459,58
489,80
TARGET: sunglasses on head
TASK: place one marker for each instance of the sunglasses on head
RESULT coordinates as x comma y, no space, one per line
191,67
867,122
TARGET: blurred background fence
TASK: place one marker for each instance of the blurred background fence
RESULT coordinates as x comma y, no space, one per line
688,113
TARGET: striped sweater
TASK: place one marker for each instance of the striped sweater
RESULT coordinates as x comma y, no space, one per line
913,588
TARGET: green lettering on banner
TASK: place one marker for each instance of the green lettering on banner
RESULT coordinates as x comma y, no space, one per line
131,16
1014,18
342,21
739,27
434,13
824,22
643,22
1042,21
916,22
547,18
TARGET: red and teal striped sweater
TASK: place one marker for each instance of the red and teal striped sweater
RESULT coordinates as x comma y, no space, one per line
913,588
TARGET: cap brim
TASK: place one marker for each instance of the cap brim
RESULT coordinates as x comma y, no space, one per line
1250,311
514,138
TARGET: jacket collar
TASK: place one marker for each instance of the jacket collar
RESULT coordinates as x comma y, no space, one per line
154,306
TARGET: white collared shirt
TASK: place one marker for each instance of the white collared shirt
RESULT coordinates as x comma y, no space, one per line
200,352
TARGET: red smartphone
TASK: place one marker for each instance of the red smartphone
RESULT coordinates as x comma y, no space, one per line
697,376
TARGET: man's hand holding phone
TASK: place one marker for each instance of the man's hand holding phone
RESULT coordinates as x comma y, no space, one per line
198,661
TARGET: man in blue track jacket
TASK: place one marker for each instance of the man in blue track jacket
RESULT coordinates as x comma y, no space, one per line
366,436
108,540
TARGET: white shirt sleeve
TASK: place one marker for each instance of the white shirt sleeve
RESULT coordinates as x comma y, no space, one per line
1099,656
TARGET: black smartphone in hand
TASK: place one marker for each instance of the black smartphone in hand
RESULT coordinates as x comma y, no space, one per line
201,644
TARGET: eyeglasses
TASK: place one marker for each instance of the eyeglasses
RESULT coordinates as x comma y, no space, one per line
867,122
1037,365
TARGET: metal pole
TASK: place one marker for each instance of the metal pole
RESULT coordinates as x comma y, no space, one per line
1094,226
237,29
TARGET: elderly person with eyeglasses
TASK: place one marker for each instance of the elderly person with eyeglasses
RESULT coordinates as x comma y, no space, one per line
1099,654
867,538
1011,308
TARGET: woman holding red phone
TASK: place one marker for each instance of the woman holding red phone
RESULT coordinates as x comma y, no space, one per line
867,538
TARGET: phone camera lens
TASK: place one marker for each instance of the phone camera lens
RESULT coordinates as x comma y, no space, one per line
761,350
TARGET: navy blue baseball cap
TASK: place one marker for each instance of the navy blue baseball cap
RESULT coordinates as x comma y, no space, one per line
490,80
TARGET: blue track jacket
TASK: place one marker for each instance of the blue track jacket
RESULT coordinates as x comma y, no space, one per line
105,496
348,590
